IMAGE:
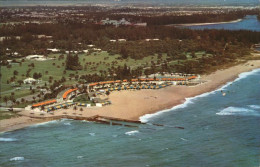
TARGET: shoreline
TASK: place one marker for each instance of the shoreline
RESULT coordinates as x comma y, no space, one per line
135,105
203,24
145,118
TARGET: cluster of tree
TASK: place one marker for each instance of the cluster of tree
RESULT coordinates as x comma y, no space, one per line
72,62
55,88
37,75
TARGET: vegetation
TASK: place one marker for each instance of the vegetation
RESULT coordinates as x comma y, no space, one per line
145,50
7,114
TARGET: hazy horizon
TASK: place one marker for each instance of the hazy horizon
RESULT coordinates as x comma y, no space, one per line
121,2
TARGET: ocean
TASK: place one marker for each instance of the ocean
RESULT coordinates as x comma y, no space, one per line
218,131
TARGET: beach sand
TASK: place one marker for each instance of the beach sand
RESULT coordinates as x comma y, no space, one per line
133,104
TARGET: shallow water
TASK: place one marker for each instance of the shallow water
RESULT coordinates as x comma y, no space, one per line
250,22
219,131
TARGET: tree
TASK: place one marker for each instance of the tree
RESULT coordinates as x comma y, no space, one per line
75,108
6,100
124,53
20,82
81,109
15,72
37,75
72,63
193,54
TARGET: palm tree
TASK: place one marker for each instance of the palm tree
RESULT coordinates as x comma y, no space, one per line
75,108
81,109
42,107
34,98
6,100
20,82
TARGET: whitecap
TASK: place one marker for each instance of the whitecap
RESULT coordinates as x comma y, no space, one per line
7,139
45,123
254,106
17,159
79,157
67,123
238,111
130,133
92,134
145,118
184,139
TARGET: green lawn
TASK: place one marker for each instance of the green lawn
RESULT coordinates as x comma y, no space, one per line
83,99
7,114
17,93
56,71
54,68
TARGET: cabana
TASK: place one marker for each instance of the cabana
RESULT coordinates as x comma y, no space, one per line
44,103
65,95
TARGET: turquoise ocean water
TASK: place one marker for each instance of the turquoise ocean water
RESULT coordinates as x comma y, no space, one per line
219,131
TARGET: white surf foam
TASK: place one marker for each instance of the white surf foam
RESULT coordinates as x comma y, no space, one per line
145,118
45,123
67,123
254,106
184,139
79,157
7,139
92,134
238,111
131,133
17,159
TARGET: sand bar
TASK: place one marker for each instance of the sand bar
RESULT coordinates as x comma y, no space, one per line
203,24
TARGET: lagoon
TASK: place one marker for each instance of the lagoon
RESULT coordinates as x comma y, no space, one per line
250,23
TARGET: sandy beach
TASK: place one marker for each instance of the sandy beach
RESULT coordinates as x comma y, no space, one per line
131,105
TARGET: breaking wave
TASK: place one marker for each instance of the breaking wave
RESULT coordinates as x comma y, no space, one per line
45,123
238,111
7,139
254,106
17,159
131,133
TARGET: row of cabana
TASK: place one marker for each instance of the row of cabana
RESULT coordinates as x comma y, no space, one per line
138,87
56,107
144,79
88,105
44,103
65,94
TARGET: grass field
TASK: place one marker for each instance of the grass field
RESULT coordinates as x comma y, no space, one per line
54,68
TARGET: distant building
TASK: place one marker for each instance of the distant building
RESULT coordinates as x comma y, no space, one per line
30,81
121,40
116,23
54,50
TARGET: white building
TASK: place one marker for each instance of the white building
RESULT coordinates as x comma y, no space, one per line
99,105
54,50
29,80
121,40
